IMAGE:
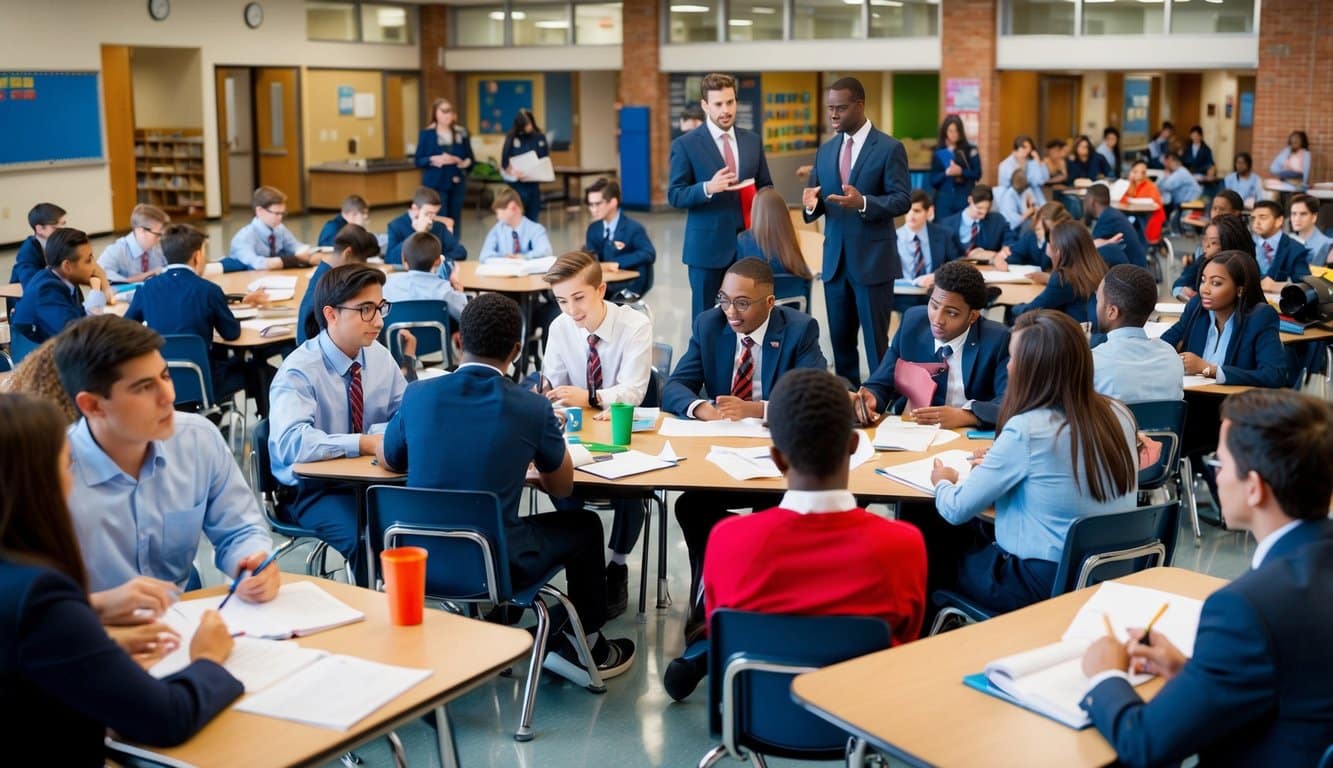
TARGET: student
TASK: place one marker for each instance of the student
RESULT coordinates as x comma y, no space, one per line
1229,332
1031,245
354,211
618,241
44,219
352,245
1063,452
978,231
1179,185
525,136
149,481
514,236
924,246
421,216
37,375
1016,203
422,282
1186,286
511,428
1292,164
772,237
1077,268
444,155
266,243
1243,181
1198,157
1109,221
1256,690
1305,229
1025,157
955,167
331,398
1142,186
1109,150
52,298
1281,258
817,552
1056,170
1160,146
1083,163
599,353
1129,366
138,255
66,681
950,329
691,117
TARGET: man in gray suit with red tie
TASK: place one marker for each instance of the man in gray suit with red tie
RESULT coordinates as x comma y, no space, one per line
859,184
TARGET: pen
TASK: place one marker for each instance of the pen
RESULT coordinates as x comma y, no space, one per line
272,556
1147,631
1110,632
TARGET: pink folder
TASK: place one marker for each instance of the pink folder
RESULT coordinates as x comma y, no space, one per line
916,381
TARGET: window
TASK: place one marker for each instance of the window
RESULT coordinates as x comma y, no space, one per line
598,24
1123,17
693,21
1201,17
904,18
479,27
754,20
359,22
386,24
828,19
330,21
1040,17
540,24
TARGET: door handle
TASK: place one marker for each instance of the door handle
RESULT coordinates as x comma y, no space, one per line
273,152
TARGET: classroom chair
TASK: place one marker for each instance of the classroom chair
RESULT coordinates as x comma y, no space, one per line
1112,545
464,533
1327,760
20,346
6,362
192,376
426,315
265,487
792,291
752,658
1164,421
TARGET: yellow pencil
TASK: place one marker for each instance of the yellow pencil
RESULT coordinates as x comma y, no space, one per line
1109,630
1147,631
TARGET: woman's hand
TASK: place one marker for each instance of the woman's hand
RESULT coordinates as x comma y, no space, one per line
1194,364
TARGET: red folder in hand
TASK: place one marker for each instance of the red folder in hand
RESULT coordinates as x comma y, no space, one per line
917,382
747,190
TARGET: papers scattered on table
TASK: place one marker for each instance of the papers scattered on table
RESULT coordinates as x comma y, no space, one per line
1155,330
1130,606
241,312
256,663
673,427
865,450
744,463
336,692
916,474
1197,381
532,167
898,435
645,419
278,287
301,608
668,453
1023,269
506,267
265,327
1170,308
625,464
992,277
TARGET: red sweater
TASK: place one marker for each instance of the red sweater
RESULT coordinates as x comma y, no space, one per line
851,563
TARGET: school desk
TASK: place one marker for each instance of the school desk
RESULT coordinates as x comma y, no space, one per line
11,291
359,473
1011,294
461,653
910,701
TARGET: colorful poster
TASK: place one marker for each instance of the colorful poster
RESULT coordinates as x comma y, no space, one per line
346,100
1134,128
962,97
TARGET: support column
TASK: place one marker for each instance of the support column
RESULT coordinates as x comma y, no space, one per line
1294,84
968,41
642,82
436,82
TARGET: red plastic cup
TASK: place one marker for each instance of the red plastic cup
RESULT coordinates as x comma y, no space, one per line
404,571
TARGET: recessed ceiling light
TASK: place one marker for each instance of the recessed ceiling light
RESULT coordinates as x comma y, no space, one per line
690,9
740,23
551,24
763,10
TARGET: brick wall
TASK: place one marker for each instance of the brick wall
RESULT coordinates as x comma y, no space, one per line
1294,85
967,40
642,84
435,81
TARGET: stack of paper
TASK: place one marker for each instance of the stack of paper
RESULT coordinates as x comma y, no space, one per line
673,427
1197,381
337,692
301,608
626,464
991,276
1170,308
532,167
744,463
278,287
898,435
916,474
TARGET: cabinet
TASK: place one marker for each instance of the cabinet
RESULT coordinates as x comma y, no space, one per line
169,170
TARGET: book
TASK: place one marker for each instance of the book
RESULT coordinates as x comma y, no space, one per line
625,464
904,436
916,474
337,692
301,608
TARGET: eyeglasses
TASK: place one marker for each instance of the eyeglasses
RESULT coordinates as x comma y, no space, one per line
1212,461
742,304
279,214
157,233
368,310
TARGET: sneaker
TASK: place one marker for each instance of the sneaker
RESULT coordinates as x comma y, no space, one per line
613,658
617,589
683,676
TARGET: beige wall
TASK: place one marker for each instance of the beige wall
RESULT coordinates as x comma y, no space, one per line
1094,106
326,131
166,88
1218,130
597,122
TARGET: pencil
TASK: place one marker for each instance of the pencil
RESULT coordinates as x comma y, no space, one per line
1110,632
1147,631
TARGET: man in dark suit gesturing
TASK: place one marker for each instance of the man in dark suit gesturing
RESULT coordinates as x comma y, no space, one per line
1259,688
860,184
705,164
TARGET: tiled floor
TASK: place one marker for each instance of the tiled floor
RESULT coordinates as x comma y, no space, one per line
635,723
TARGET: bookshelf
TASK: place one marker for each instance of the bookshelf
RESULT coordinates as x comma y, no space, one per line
169,170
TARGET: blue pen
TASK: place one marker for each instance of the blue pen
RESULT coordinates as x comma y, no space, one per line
256,572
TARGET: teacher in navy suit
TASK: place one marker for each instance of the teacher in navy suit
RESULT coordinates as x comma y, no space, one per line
859,184
705,164
1259,688
444,155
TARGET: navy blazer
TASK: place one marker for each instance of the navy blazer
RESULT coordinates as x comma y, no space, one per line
1198,162
712,222
1029,249
401,228
1191,274
985,364
445,177
943,249
1290,263
63,681
1259,689
951,192
1254,357
786,285
1113,221
1095,168
638,253
1060,295
994,232
47,306
866,241
180,301
791,341
30,260
330,230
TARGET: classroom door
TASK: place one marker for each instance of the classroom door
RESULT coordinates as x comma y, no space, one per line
118,106
236,136
1244,119
1059,107
278,132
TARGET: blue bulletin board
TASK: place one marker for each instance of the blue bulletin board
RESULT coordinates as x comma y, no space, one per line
499,101
49,118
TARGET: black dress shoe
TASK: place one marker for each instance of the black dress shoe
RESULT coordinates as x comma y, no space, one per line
683,675
617,589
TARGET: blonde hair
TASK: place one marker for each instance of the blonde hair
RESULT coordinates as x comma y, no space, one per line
504,197
144,214
571,265
38,375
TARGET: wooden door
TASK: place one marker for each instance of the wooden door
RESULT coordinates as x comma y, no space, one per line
278,132
1244,130
1059,108
118,106
394,145
220,87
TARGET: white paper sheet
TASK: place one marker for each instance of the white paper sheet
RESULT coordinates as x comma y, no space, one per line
1155,330
668,453
744,463
257,663
532,167
865,450
898,435
625,464
301,608
274,329
1023,269
1129,606
992,277
278,287
1170,308
507,267
645,419
916,474
1197,381
336,692
673,427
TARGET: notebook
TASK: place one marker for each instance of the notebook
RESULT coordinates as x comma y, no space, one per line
336,692
625,464
992,277
916,474
278,287
916,381
301,608
256,663
905,436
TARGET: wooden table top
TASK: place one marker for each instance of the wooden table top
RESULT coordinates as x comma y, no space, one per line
460,652
911,699
11,291
1217,389
467,272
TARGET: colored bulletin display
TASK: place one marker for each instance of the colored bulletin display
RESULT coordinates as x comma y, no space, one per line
791,112
48,118
500,101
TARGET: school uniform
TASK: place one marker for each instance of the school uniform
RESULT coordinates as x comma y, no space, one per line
501,428
312,420
1060,295
528,241
49,303
450,181
255,243
977,373
951,192
1035,171
400,229
635,251
1010,203
424,286
922,253
991,233
64,681
30,260
1281,258
1113,221
785,284
1113,161
329,232
1198,158
125,259
1247,351
1288,169
305,314
1178,187
712,221
530,192
1133,368
1248,188
1037,489
1259,689
1094,168
1029,249
1317,246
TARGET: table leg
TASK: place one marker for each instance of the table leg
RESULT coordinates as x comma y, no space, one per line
444,732
525,312
648,505
364,514
663,595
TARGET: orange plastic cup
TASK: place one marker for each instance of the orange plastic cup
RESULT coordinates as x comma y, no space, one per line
404,571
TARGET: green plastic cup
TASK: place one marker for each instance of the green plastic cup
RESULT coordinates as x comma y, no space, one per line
622,423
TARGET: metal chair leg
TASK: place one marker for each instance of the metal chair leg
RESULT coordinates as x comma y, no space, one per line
1187,493
595,683
944,615
524,732
643,566
396,749
712,756
856,752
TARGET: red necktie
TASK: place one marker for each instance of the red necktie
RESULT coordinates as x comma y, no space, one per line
517,248
594,369
919,268
272,245
742,385
143,261
728,156
976,229
354,400
845,162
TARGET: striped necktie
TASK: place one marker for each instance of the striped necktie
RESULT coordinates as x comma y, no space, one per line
354,399
594,368
919,266
742,385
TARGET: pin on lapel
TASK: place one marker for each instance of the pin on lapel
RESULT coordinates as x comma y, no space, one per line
773,344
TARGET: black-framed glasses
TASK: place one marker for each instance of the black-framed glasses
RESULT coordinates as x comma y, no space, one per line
368,310
742,304
155,233
279,214
1212,461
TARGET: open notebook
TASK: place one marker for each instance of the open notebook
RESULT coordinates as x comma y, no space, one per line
301,608
916,474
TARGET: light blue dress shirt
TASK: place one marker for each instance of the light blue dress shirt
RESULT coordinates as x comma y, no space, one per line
1009,204
1133,368
250,244
1247,188
1264,256
310,417
1317,246
1027,476
533,243
1179,186
609,227
150,526
1216,345
907,251
123,259
424,286
965,223
1035,171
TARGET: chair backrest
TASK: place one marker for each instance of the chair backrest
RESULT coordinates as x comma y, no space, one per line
428,320
1163,421
462,530
662,354
20,345
1105,547
652,397
812,248
760,653
191,371
792,291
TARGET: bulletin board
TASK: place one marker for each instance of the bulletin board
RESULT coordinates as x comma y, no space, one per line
49,118
791,112
498,102
683,89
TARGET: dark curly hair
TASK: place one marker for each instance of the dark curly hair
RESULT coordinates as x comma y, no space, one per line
962,278
810,419
491,325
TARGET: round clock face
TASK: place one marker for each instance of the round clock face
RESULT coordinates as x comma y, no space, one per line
254,15
159,9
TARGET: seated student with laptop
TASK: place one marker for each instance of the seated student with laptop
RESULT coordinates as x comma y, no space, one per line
949,330
138,255
1304,215
331,398
44,219
618,241
924,246
1077,268
1129,366
1225,232
354,211
514,236
1110,223
421,217
979,232
1063,452
422,282
266,243
1257,690
503,428
1282,259
817,552
352,245
598,353
52,298
66,681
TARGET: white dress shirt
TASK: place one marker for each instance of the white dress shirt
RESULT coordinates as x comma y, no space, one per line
625,347
1264,547
956,394
811,502
717,134
756,357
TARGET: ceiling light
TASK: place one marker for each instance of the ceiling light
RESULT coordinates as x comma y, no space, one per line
500,15
690,9
763,10
391,17
552,24
740,23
